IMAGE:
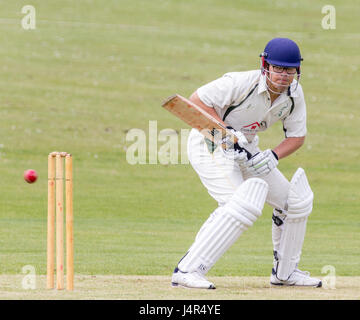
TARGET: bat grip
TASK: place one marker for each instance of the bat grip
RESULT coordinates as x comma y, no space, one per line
248,154
241,149
237,146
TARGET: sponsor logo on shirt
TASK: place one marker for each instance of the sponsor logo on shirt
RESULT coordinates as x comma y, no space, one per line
251,128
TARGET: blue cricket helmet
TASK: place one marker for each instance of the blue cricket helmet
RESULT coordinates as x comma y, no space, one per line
282,52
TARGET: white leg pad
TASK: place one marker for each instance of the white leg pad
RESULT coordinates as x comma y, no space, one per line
207,222
228,224
299,207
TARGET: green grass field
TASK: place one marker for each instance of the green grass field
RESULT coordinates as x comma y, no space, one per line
92,70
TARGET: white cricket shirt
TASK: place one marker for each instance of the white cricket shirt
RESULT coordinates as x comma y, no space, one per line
242,101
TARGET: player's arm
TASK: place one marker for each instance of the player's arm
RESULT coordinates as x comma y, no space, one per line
294,126
195,98
236,152
288,146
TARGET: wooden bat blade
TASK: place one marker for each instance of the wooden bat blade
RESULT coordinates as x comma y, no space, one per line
199,119
196,117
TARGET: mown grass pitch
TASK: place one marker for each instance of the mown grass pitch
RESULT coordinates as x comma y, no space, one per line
93,70
137,287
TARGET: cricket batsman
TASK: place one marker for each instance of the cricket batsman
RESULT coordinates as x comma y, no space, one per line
247,103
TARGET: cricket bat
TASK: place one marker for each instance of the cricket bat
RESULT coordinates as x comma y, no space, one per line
197,118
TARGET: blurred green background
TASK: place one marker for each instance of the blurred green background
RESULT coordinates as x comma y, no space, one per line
93,70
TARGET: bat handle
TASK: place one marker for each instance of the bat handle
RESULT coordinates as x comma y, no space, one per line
248,154
241,149
236,145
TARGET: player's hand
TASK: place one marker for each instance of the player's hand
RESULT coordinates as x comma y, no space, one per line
236,155
262,163
235,151
241,139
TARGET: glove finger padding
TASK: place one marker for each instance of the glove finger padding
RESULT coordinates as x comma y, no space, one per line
262,163
242,141
235,151
257,160
235,154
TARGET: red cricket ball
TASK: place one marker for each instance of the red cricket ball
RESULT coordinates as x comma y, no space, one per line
30,176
